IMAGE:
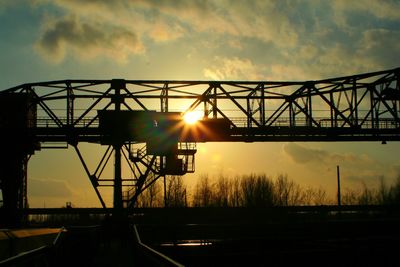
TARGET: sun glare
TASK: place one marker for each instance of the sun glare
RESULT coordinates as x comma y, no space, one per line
192,117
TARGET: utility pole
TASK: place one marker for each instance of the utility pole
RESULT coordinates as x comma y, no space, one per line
339,202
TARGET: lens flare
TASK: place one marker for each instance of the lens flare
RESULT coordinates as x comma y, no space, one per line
192,117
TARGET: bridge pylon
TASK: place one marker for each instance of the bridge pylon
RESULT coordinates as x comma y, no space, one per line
17,117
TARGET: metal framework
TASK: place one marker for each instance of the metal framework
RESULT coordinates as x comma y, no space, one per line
362,107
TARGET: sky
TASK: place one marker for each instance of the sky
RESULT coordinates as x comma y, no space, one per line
43,40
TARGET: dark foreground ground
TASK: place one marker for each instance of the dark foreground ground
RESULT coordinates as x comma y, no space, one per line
261,238
236,237
305,244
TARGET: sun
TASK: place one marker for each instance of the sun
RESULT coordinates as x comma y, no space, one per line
192,117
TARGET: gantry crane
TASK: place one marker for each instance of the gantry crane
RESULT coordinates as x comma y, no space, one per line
141,122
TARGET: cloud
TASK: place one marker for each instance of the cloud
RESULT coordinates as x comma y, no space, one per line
304,155
355,168
7,4
263,20
233,69
87,40
382,9
296,39
283,72
301,154
48,188
161,32
381,47
94,24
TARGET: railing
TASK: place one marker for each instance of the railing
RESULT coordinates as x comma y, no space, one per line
188,163
138,154
46,122
188,146
42,256
157,257
323,122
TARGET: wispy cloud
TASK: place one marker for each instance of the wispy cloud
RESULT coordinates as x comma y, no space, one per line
382,9
49,188
87,40
297,39
233,68
303,154
357,167
161,21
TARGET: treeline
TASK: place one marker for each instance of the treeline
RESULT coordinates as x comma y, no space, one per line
258,191
254,191
245,191
382,195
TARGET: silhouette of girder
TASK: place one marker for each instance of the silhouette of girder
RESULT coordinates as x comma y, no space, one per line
363,107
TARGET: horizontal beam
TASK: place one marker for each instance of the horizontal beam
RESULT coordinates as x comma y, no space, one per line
62,83
299,209
237,134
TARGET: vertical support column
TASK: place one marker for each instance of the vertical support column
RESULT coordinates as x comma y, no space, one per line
291,114
332,109
24,196
164,98
309,105
372,106
262,105
206,111
13,185
215,104
355,102
164,108
117,85
249,112
70,105
117,178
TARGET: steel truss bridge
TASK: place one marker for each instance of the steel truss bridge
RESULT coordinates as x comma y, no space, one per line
133,118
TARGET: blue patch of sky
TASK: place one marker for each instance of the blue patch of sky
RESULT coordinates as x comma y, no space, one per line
365,20
20,29
303,15
316,25
254,49
19,25
334,36
150,14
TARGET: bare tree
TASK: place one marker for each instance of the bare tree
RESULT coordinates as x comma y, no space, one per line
283,189
176,192
151,197
394,192
383,195
257,191
320,197
203,192
368,196
236,196
309,196
350,197
289,193
222,191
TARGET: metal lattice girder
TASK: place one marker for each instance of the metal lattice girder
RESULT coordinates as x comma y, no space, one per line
363,107
359,107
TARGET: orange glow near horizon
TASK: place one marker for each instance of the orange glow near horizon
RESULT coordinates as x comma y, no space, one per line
192,117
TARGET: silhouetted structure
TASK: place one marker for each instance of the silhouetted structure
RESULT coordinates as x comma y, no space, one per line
133,119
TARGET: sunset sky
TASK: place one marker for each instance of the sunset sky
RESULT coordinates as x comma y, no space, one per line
43,40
